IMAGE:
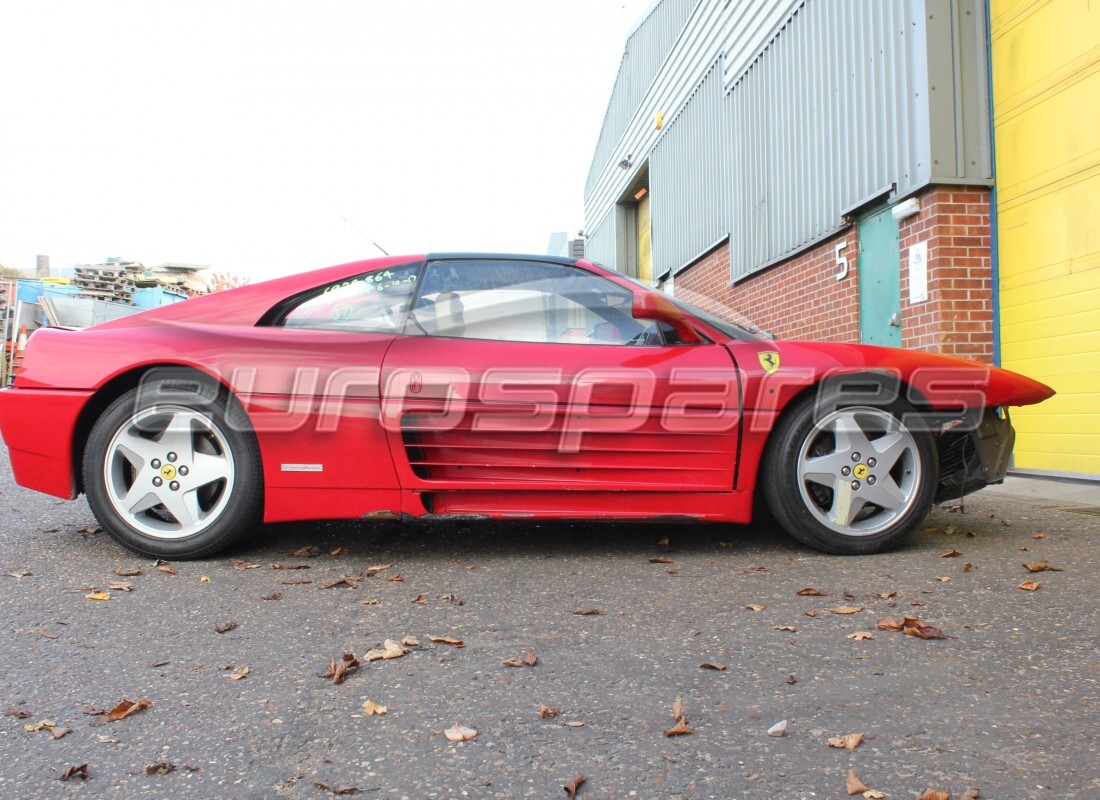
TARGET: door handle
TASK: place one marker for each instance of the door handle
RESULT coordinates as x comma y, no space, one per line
895,319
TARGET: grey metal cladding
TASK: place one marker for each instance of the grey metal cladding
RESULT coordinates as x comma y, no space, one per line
600,244
689,179
849,100
646,49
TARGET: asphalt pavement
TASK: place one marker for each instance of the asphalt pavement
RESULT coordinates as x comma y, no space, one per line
1004,703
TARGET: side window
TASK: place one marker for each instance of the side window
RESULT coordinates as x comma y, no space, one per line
520,301
375,302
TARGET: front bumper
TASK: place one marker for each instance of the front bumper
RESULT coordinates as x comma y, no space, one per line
38,426
974,458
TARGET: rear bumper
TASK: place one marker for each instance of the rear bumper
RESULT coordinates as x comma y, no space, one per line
38,427
976,458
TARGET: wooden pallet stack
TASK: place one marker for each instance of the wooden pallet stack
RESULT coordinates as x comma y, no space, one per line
113,282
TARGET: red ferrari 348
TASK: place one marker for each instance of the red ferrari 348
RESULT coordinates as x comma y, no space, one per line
491,386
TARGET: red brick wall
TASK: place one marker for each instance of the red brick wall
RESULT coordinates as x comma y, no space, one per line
802,299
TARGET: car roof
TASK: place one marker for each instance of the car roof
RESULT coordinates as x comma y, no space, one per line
568,262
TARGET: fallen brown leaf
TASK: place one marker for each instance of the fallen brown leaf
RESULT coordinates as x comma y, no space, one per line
570,788
57,733
166,570
372,571
1027,586
338,669
678,708
371,708
573,724
680,728
124,572
545,712
373,602
588,612
98,596
790,628
932,794
18,713
307,552
460,733
1041,567
854,785
397,578
847,742
662,542
159,768
809,591
922,631
164,663
447,640
225,627
973,794
336,789
529,659
708,665
390,649
296,583
874,794
809,613
754,607
272,596
339,551
239,564
453,599
346,582
120,586
887,595
80,771
410,641
420,600
859,636
846,610
47,635
291,566
126,708
659,560
951,554
726,545
240,673
967,567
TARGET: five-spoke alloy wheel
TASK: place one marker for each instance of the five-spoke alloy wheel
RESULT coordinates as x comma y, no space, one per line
849,480
172,470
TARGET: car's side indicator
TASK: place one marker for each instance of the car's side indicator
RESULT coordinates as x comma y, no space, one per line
303,467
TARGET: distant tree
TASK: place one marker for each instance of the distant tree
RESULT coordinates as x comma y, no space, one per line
10,272
220,281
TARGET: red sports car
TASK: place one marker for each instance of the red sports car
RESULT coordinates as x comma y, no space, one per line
456,386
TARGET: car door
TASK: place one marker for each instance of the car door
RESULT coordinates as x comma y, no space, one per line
524,375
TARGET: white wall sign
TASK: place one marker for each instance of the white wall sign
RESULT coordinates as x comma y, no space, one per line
918,272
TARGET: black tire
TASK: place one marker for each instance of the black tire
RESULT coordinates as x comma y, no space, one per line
821,517
123,457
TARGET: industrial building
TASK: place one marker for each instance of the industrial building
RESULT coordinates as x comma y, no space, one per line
827,170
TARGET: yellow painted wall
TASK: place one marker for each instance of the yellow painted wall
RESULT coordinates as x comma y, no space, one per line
1046,125
645,256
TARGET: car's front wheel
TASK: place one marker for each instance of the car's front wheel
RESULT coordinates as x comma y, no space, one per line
849,480
172,470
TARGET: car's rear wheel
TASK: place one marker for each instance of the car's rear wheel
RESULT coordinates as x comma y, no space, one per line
172,470
849,480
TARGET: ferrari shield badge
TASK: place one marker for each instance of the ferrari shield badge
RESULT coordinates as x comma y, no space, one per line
769,360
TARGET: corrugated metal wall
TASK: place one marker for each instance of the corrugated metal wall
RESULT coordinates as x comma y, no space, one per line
646,49
600,244
828,104
688,177
832,113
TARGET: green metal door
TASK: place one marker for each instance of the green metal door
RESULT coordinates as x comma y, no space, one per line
879,279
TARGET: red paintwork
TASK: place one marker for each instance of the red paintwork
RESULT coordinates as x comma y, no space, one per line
511,446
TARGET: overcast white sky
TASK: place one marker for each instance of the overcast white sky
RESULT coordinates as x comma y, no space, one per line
237,133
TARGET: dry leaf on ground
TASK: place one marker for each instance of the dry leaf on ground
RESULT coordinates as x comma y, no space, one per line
338,669
529,659
1027,586
854,785
397,578
410,641
98,596
239,673
166,570
306,552
570,788
754,607
120,586
846,610
296,583
460,733
680,728
447,640
344,582
932,794
420,600
678,708
660,560
587,612
790,628
339,551
973,794
390,649
1041,566
453,599
336,789
371,708
291,566
545,712
238,564
859,636
810,591
708,665
124,572
57,732
951,554
887,595
159,768
225,627
80,771
848,742
126,708
371,571
18,713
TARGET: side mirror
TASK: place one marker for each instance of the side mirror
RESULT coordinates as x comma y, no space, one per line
656,306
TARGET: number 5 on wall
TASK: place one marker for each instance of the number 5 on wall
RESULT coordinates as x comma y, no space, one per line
841,261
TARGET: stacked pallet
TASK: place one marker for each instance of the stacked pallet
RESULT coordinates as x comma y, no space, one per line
113,282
